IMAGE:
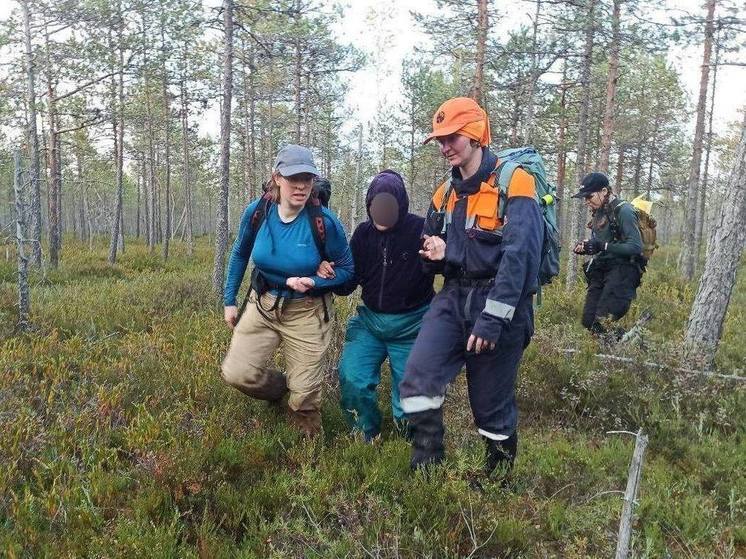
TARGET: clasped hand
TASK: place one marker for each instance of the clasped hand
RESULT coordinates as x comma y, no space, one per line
301,285
433,248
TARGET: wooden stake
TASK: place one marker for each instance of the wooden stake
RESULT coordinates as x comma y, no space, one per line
633,482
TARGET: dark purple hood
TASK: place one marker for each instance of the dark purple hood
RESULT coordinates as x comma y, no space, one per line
391,182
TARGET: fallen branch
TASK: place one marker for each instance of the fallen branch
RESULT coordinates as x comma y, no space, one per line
659,366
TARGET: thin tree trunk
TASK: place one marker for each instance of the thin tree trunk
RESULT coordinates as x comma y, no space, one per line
81,200
528,129
514,131
34,171
117,234
699,224
611,84
270,134
307,110
412,144
247,125
562,156
358,179
23,285
167,141
638,170
221,230
53,161
152,212
146,199
113,241
688,240
724,252
158,205
139,202
653,152
577,213
185,156
477,88
297,76
252,119
58,190
620,171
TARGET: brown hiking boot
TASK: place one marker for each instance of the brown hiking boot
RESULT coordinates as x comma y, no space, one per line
307,422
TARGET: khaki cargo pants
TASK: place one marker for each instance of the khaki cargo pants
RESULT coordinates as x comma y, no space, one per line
297,323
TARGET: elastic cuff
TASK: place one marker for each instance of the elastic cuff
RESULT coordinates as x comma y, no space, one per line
415,404
493,436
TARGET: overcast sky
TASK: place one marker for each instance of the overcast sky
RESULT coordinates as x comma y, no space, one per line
371,84
386,32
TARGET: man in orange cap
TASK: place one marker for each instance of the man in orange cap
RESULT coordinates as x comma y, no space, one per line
483,316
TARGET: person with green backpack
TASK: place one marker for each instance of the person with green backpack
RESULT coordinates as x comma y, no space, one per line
615,248
489,232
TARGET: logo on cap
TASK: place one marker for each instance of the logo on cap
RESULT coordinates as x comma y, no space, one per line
440,117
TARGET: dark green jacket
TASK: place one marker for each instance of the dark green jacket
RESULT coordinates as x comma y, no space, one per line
623,238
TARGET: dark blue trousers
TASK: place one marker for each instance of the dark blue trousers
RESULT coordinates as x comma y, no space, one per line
439,353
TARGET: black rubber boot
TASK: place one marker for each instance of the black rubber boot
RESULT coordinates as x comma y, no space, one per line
426,430
500,455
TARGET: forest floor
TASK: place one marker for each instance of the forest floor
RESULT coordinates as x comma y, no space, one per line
119,439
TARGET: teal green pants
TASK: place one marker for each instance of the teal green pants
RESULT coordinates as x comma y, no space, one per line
372,337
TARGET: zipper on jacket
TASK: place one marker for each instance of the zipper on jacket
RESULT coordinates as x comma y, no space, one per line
383,275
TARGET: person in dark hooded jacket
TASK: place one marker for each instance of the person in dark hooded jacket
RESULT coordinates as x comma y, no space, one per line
396,292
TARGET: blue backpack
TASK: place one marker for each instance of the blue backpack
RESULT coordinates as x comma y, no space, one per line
528,159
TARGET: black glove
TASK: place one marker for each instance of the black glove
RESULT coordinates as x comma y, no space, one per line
593,246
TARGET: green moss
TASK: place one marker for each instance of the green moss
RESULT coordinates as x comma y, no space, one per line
117,434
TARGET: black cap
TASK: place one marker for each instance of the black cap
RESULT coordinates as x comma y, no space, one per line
592,182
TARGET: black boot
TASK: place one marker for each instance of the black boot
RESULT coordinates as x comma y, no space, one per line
501,455
426,431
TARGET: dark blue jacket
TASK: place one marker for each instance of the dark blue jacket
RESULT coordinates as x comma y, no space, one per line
512,260
387,264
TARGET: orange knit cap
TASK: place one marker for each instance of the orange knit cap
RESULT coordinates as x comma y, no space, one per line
462,115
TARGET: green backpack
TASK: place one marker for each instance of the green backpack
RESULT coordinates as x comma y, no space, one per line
528,159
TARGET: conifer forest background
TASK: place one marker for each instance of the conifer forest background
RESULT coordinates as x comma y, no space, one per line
133,133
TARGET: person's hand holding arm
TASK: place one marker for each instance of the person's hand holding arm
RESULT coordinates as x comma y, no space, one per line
326,270
433,248
301,285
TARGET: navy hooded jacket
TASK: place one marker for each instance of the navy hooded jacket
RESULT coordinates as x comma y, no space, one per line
512,261
387,263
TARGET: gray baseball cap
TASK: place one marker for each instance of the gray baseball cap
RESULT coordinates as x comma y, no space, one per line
293,159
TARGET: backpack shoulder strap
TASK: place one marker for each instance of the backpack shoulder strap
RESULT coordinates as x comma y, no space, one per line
503,174
613,214
318,225
258,217
260,214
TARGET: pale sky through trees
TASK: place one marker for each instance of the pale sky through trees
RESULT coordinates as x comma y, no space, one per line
386,32
731,91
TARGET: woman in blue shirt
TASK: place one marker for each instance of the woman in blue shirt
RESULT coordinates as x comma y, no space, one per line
289,302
